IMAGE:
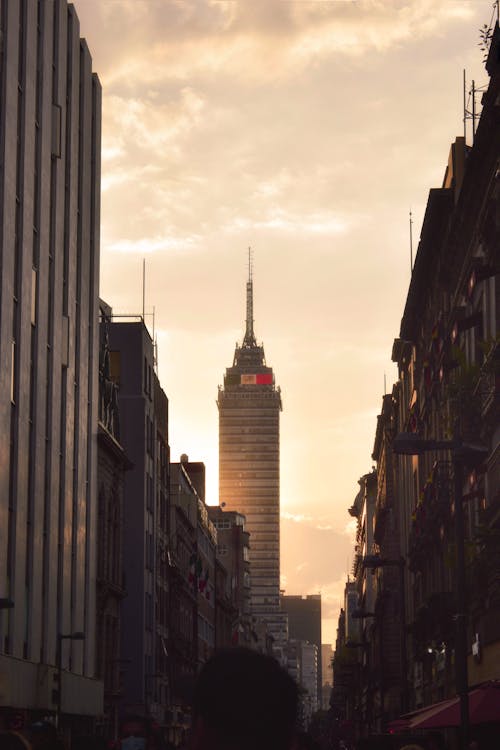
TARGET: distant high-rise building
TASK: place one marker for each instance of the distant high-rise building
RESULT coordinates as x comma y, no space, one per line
327,674
304,624
249,465
50,145
309,679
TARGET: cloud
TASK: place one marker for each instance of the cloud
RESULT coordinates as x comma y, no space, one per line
297,517
282,221
146,245
186,40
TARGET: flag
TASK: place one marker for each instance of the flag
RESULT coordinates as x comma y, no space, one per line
258,378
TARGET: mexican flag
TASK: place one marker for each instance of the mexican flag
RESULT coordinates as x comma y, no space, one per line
259,378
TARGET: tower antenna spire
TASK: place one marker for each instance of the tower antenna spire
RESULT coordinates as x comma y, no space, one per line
249,339
411,242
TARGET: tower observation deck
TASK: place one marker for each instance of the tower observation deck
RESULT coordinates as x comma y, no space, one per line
249,463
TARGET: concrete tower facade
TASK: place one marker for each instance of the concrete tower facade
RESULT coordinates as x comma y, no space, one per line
50,142
249,463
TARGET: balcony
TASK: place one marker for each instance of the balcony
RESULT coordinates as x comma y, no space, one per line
487,388
431,516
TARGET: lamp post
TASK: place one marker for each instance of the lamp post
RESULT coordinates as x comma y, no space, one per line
76,636
411,444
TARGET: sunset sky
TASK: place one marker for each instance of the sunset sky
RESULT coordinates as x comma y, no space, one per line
306,130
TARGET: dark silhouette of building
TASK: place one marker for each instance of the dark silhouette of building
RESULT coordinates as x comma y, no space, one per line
249,466
143,408
448,360
433,566
183,600
233,552
50,138
193,579
112,465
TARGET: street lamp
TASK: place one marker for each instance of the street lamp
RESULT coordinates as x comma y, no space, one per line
76,636
412,444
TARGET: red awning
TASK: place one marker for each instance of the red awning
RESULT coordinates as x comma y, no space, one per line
484,707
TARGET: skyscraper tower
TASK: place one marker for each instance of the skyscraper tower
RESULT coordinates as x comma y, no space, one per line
249,465
50,157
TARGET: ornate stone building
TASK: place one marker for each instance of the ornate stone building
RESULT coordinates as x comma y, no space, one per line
448,360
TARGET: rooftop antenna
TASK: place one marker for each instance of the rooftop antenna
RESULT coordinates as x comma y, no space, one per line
143,287
465,110
385,384
473,91
411,242
249,339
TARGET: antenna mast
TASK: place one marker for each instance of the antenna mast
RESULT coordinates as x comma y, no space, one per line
411,242
143,287
249,339
465,111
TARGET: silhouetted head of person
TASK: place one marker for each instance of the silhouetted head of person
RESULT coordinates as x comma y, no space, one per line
306,742
44,736
435,741
244,700
135,733
12,740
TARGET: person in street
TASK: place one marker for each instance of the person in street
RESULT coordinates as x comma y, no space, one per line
43,735
14,740
304,741
135,733
244,700
435,741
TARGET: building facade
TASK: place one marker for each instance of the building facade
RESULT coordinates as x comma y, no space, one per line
143,408
249,465
50,135
434,631
309,666
110,591
182,644
326,675
233,552
448,362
